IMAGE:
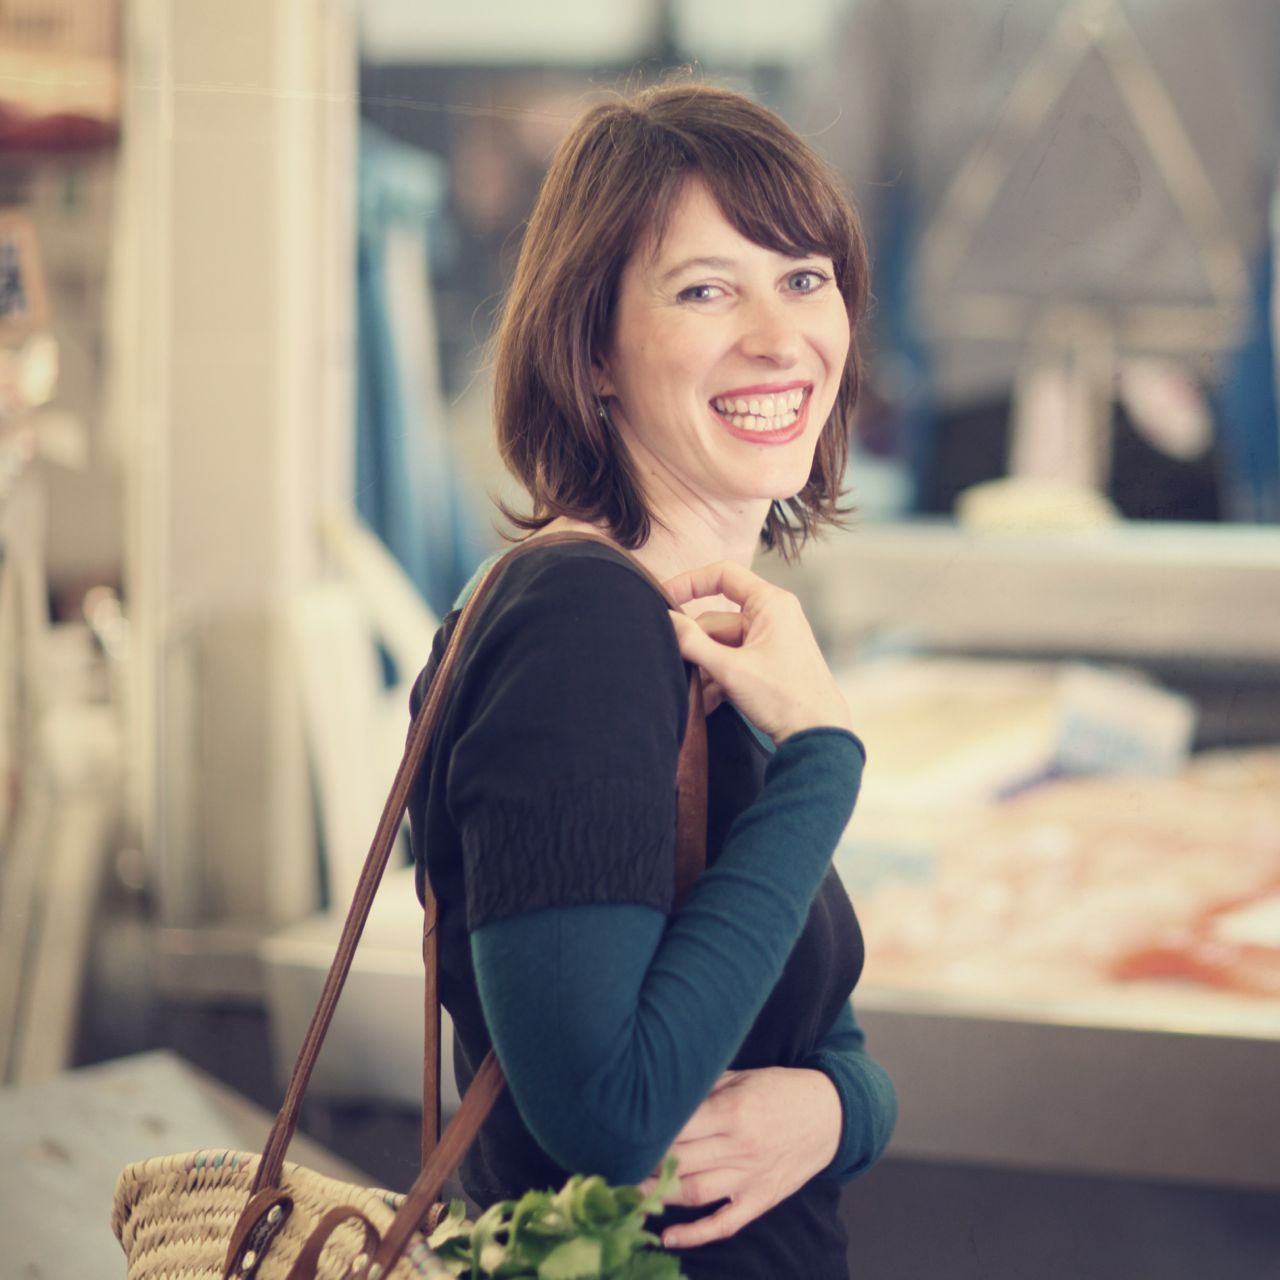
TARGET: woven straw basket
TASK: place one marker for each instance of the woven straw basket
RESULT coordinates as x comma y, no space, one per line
174,1216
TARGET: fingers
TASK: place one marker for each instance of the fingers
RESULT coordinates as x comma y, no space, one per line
715,1226
695,644
724,578
697,1189
698,1159
708,1121
712,696
765,659
706,1171
702,645
723,628
746,1148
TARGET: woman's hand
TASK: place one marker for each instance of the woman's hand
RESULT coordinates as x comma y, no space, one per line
758,1137
764,658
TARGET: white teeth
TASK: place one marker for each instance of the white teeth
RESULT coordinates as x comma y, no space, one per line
763,407
758,422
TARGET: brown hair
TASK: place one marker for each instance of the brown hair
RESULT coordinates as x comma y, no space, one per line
613,181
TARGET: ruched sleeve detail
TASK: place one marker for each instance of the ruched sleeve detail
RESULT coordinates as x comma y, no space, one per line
596,841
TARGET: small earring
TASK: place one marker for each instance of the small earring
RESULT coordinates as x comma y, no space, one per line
602,410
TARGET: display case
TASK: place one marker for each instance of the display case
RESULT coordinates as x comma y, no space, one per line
1019,1048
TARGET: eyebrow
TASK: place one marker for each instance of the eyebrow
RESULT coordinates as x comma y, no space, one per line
715,264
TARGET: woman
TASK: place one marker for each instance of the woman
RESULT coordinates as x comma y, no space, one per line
674,372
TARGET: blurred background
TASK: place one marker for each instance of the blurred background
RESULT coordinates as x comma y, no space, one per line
250,256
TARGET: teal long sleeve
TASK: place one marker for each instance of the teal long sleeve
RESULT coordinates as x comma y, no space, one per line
613,1022
867,1097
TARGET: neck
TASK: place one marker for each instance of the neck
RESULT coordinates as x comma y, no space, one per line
676,547
686,540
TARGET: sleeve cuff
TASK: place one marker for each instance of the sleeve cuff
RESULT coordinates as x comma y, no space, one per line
870,1106
826,731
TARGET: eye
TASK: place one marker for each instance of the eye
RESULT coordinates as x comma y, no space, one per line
699,293
807,281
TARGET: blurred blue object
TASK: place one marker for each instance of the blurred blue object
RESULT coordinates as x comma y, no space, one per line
1250,416
408,488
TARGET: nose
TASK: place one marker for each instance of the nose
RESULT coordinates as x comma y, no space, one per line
771,332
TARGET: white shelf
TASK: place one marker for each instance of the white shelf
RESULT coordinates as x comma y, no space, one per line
1135,590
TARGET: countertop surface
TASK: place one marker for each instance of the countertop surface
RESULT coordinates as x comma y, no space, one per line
64,1141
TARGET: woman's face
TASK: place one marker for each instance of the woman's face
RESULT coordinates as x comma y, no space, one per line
725,363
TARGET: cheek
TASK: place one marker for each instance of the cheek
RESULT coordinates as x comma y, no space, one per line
834,348
670,367
838,337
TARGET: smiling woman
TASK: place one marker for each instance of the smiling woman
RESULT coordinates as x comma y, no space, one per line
675,375
652,200
723,365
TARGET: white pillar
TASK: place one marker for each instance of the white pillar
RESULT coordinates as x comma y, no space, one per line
235,399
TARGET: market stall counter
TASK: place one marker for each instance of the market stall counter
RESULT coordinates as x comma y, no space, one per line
64,1141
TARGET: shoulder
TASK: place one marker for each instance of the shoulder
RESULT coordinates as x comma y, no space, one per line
575,601
590,572
583,595
563,623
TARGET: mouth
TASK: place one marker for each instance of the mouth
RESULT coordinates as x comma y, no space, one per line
765,417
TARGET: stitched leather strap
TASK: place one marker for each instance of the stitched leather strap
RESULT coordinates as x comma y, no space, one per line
691,794
260,1221
375,865
485,1088
488,1084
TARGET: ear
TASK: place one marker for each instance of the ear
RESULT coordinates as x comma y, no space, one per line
601,380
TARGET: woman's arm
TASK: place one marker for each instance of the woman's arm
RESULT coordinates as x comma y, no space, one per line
763,1134
613,1023
612,1020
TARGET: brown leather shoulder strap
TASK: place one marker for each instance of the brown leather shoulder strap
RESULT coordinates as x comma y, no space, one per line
420,734
424,725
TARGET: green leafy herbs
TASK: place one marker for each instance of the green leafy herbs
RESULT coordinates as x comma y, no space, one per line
587,1230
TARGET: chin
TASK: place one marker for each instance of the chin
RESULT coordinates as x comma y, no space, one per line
790,485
